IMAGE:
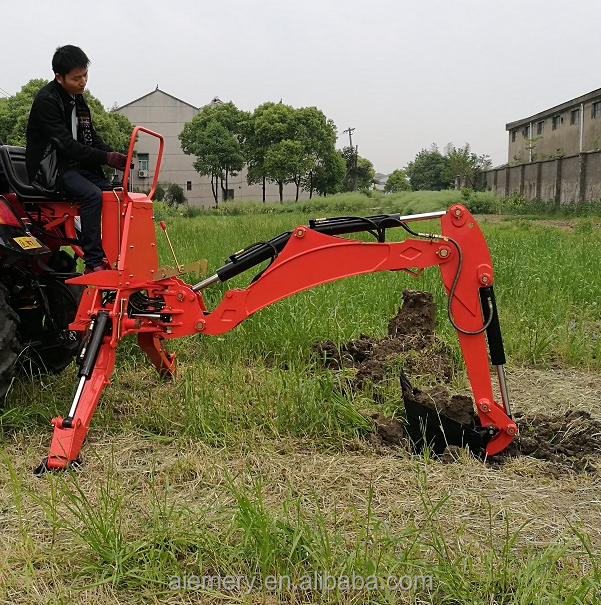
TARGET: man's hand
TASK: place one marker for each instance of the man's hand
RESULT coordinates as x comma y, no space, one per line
116,160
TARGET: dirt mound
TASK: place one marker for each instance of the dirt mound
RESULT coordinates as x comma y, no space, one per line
570,442
410,334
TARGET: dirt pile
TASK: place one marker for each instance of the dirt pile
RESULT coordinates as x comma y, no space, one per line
570,442
410,334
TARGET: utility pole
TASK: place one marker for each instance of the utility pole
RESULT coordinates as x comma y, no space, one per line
355,153
350,135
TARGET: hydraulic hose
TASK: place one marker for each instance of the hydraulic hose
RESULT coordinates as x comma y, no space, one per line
261,251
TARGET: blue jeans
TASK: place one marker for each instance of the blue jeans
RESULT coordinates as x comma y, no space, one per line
86,187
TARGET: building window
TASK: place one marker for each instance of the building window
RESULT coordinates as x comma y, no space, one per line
540,127
596,109
143,159
188,185
514,134
575,116
526,132
556,122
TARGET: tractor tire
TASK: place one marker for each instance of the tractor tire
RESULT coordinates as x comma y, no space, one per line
51,347
10,345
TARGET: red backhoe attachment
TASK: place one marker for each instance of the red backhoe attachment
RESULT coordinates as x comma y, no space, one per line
136,296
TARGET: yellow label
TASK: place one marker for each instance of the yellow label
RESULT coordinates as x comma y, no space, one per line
27,243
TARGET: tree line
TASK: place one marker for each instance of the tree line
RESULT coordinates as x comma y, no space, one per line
432,170
276,143
280,144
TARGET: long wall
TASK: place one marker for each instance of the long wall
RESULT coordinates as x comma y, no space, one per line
564,180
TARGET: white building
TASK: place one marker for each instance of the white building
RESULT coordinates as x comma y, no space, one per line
166,115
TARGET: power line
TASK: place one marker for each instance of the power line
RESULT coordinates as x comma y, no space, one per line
4,93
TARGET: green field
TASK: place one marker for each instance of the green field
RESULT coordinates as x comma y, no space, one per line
257,461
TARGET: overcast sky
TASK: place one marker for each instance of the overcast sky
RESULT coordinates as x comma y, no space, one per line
404,74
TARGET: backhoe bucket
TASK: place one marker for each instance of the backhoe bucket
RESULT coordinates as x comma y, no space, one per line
429,426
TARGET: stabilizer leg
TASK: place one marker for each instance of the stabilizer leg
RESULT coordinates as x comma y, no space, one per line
70,432
154,346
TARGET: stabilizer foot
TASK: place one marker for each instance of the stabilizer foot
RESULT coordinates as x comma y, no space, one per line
43,468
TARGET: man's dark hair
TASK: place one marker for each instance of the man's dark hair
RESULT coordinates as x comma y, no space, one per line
67,58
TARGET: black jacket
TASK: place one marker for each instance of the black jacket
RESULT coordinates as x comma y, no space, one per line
49,128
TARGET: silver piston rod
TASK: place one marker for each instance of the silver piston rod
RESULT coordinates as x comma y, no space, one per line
99,327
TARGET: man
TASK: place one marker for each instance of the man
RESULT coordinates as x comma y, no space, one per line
65,154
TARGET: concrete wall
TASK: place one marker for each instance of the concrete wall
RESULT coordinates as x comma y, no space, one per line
564,180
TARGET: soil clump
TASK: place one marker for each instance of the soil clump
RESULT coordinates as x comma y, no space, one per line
571,441
410,334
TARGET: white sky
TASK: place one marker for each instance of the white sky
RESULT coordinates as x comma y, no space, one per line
405,74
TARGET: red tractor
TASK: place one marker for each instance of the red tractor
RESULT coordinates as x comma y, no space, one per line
58,314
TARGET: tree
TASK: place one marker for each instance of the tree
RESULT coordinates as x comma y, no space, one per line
434,171
215,137
358,170
114,128
397,181
317,134
14,113
174,195
159,192
466,165
284,161
271,130
255,146
429,171
287,145
327,176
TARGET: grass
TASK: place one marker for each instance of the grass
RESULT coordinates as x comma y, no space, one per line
132,537
255,463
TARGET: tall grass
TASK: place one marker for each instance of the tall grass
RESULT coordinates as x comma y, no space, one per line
370,202
546,280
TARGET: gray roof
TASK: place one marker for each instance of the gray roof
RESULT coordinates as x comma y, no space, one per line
157,89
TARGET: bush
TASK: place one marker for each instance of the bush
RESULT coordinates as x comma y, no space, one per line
175,195
481,202
191,211
159,192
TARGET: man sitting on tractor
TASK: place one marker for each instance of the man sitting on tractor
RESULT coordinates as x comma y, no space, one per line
64,153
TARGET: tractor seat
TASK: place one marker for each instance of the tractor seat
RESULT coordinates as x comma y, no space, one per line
12,160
